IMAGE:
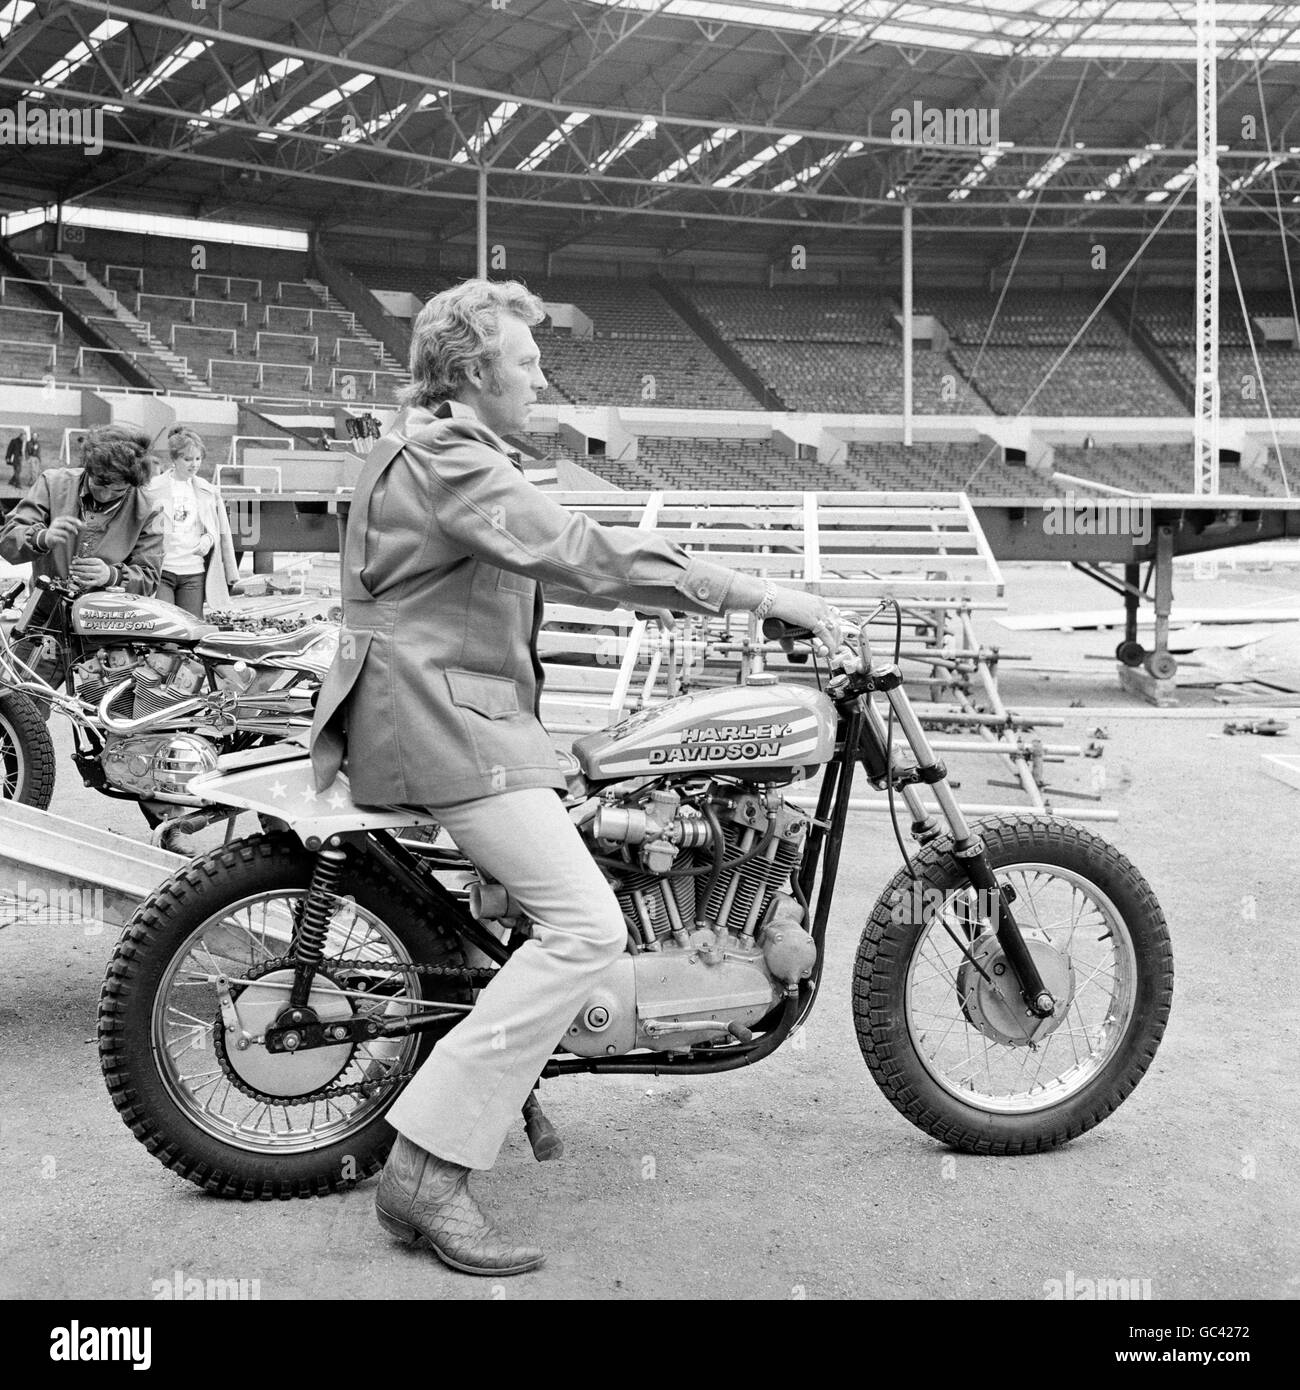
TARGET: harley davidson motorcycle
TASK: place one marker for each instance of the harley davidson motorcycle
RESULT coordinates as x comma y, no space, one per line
266,1005
154,695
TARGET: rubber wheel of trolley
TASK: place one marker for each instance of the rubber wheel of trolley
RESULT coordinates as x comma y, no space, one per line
1130,653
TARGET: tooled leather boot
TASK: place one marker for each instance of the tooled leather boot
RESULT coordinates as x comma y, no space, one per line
423,1197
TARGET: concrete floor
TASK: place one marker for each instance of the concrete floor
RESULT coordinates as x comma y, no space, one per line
794,1177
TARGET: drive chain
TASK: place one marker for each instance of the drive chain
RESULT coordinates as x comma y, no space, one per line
329,968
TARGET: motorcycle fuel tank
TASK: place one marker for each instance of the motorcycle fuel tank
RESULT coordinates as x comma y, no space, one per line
745,729
112,615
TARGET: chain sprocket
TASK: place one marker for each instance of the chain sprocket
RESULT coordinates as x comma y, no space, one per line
330,968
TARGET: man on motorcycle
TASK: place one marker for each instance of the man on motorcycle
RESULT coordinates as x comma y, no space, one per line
95,524
434,701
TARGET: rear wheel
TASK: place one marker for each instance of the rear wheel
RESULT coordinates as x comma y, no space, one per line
239,1120
26,752
942,1027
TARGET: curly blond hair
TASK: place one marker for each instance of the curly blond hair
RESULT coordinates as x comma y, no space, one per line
459,327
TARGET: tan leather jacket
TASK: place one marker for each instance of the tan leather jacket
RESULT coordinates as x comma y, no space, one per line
433,697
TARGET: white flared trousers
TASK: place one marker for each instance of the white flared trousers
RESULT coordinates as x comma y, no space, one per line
461,1104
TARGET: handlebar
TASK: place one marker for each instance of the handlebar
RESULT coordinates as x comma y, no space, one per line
63,587
850,657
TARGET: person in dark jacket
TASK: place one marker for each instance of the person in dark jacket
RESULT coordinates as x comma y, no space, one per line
433,701
14,455
95,524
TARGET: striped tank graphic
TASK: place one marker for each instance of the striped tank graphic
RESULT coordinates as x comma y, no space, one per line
132,616
736,730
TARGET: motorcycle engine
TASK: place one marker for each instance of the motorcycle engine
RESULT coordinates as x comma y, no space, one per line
94,677
655,830
720,943
157,767
160,679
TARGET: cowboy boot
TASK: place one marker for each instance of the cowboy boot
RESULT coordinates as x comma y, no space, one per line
423,1197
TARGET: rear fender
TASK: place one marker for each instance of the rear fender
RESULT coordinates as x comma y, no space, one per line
280,782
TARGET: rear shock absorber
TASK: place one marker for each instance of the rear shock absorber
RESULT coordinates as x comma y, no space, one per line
313,923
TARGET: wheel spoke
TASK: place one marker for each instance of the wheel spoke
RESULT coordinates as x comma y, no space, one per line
236,944
1064,914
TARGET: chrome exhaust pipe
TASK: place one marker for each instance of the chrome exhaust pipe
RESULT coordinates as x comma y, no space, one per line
159,720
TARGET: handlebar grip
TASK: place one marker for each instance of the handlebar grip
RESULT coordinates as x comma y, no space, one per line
778,630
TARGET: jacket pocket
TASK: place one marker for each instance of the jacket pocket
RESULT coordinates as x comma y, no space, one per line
494,697
511,583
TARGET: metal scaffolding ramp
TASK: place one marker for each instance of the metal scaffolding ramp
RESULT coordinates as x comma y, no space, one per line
61,871
926,551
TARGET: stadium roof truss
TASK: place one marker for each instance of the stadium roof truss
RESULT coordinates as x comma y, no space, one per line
644,119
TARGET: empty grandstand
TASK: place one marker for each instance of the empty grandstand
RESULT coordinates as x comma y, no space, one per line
726,297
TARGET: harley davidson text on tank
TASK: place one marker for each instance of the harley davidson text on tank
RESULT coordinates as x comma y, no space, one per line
1010,987
154,695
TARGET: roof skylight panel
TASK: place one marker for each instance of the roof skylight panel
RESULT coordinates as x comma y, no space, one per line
980,172
641,131
1122,173
169,67
12,15
756,162
543,151
1065,28
325,103
57,74
1172,185
1244,181
255,86
1045,174
714,140
377,124
815,170
487,132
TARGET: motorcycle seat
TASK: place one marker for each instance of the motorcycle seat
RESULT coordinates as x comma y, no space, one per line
257,646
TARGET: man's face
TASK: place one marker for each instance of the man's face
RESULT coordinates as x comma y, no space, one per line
106,489
513,384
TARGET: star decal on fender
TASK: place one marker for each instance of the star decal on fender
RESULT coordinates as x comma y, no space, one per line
338,801
309,793
278,790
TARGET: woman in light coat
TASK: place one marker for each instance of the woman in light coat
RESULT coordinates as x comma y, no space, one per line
199,561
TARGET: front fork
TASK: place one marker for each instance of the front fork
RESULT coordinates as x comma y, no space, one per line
877,759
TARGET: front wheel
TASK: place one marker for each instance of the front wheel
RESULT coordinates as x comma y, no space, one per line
219,1108
943,1029
26,752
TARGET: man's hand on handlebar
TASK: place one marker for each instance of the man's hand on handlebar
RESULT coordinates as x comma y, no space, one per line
812,613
